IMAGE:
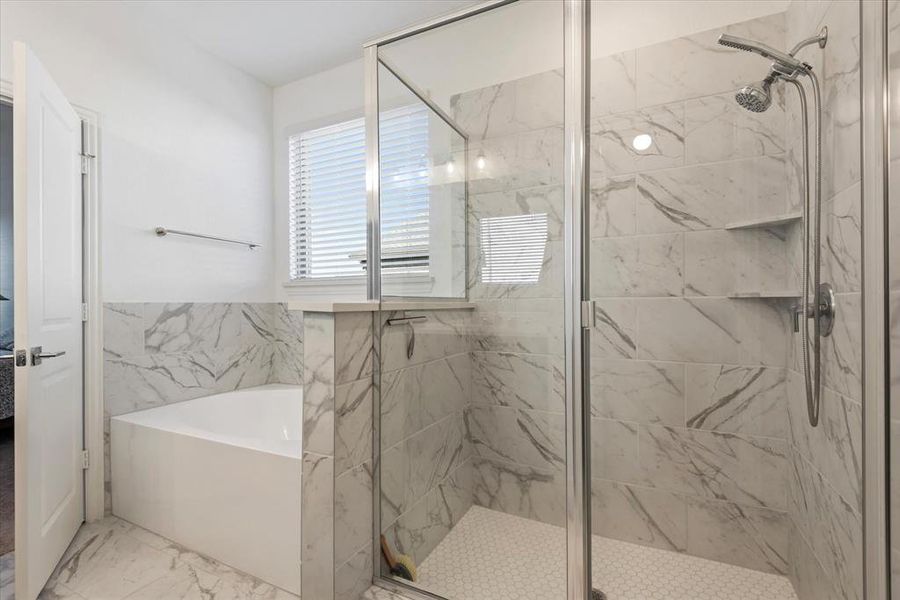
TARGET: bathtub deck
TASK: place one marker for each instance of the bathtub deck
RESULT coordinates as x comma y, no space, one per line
113,559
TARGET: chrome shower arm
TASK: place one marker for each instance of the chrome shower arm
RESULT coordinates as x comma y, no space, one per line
821,39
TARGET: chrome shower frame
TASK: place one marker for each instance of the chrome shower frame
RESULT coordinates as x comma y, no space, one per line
877,97
576,53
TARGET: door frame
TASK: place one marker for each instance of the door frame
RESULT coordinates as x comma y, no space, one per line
578,308
875,98
94,492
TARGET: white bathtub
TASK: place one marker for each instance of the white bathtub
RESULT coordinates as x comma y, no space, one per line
219,475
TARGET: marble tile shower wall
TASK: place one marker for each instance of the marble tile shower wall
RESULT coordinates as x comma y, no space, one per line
515,422
688,384
159,353
689,408
426,458
825,499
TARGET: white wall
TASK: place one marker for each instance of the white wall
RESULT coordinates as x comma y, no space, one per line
185,142
304,104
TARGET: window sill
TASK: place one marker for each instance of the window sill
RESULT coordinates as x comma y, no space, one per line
338,288
354,288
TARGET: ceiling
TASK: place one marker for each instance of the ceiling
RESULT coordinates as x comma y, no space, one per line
278,41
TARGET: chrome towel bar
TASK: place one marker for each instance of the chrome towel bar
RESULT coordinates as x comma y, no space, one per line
163,231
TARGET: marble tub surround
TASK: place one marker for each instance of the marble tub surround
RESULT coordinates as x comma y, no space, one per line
336,484
157,353
825,474
426,468
160,353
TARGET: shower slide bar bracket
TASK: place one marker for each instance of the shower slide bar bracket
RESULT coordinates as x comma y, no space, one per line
164,231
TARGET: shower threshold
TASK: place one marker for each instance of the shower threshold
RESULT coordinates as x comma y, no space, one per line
491,555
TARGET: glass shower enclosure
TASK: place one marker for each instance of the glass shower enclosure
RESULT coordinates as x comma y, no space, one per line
590,373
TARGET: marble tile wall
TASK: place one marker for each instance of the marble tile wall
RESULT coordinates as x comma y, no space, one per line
160,353
825,475
337,483
689,406
515,422
426,466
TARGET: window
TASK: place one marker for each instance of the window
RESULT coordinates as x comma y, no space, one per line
512,248
328,197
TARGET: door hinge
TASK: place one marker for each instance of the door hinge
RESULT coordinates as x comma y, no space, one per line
587,314
84,162
85,459
84,311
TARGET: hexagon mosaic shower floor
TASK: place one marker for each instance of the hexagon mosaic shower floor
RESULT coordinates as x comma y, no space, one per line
491,555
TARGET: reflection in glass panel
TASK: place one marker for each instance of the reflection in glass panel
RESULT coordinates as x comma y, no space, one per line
423,196
704,459
472,412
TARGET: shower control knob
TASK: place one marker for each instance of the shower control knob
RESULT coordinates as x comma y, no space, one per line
826,305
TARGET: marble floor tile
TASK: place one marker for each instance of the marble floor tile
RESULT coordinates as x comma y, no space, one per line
114,560
7,575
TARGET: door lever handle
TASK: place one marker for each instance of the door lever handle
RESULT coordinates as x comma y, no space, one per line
38,355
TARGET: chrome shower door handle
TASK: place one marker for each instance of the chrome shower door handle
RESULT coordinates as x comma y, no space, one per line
38,355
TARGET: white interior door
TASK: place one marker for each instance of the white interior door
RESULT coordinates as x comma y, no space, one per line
48,255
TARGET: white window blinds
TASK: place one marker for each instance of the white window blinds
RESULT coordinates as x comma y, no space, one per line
512,248
328,197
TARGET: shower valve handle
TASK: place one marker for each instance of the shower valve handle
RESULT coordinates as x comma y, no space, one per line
826,311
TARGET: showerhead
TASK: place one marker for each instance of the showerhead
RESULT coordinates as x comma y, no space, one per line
783,61
756,97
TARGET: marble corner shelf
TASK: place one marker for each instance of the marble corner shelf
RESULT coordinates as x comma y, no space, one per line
762,223
765,295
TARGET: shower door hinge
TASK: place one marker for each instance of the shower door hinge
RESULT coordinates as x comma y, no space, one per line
84,312
85,459
84,162
587,314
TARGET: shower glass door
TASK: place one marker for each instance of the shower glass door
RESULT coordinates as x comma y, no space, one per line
707,477
470,410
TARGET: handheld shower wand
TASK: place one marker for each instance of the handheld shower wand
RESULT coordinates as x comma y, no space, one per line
757,97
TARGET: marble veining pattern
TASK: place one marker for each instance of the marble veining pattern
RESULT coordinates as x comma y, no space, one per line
114,560
825,474
688,387
159,353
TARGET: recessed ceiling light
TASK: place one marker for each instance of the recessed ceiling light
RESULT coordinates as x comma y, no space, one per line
642,141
